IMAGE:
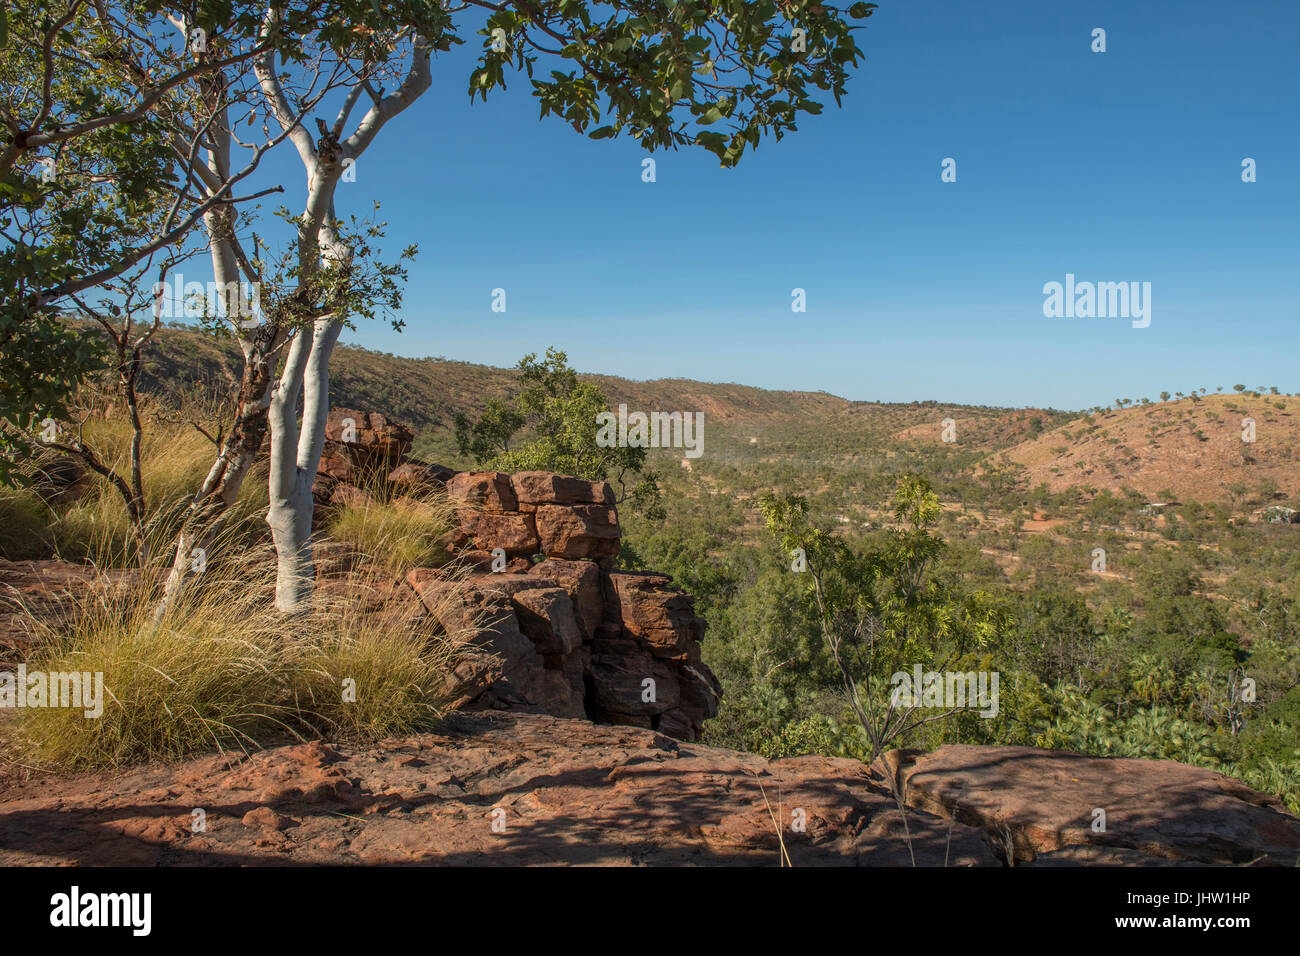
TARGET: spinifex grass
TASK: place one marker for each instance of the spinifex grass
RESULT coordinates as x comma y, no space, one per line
395,533
223,670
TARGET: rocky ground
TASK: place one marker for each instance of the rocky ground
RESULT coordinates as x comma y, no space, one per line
514,789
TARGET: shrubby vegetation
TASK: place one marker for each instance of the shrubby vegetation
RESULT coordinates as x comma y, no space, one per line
1147,660
1141,660
219,671
557,414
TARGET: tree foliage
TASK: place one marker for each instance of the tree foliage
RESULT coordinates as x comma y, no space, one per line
667,71
559,413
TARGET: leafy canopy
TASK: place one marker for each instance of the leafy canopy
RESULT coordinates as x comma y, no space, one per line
667,71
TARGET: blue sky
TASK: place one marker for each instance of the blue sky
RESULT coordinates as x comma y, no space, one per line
1115,166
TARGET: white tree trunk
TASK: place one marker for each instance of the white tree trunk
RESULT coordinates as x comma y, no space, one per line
296,450
295,456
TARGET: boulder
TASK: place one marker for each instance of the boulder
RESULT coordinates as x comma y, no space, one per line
636,684
359,444
534,488
574,792
372,436
489,491
581,579
650,610
516,534
546,618
415,476
578,531
1044,802
528,671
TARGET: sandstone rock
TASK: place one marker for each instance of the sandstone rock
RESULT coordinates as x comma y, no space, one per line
481,562
1045,801
265,817
546,618
578,531
581,579
360,444
483,491
516,534
345,495
619,687
651,610
336,463
481,609
416,476
372,435
546,488
574,793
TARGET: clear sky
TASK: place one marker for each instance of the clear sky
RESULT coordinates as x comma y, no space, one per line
1116,166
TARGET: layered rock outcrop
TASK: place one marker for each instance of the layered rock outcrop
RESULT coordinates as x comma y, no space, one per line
555,628
572,636
1047,807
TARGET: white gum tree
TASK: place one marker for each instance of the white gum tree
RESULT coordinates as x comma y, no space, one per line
668,73
335,282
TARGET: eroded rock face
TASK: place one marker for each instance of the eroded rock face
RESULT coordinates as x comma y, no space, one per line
478,491
578,793
579,531
581,579
358,443
560,647
533,488
516,534
656,614
416,476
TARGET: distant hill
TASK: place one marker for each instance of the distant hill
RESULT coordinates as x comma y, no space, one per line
1184,449
743,421
1190,449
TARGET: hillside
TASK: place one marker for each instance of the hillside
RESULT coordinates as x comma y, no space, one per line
745,423
1186,450
1190,451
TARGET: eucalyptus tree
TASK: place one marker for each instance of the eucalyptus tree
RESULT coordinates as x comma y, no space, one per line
95,177
718,75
